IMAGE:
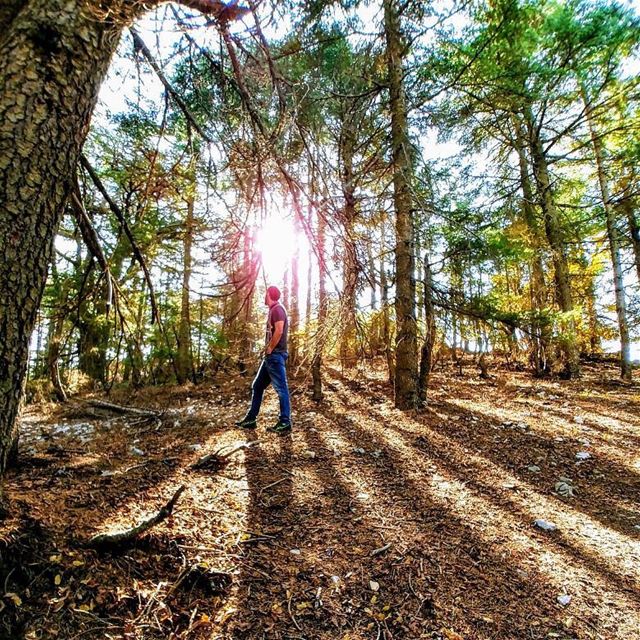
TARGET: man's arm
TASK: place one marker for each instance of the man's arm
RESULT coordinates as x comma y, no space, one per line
278,328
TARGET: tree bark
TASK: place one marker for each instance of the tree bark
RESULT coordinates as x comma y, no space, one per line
628,205
634,232
53,56
406,368
614,243
386,321
294,309
372,275
53,356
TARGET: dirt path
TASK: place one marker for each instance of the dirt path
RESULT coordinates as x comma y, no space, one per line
364,523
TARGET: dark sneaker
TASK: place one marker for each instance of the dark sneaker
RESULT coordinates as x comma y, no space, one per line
247,423
280,427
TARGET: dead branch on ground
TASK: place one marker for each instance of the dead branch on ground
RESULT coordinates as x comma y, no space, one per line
121,538
118,408
218,458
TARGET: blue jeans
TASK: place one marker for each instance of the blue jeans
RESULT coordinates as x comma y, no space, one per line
271,371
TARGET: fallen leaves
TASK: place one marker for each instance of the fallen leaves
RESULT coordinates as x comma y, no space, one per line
324,541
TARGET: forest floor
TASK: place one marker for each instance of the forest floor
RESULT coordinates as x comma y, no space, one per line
363,523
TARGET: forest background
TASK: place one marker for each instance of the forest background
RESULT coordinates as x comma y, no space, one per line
421,181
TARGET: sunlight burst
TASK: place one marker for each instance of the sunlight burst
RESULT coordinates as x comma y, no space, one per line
277,241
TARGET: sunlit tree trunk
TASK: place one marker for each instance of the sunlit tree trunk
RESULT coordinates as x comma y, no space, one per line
555,237
539,324
406,367
285,288
614,244
294,302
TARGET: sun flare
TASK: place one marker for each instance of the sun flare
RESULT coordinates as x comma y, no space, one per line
277,241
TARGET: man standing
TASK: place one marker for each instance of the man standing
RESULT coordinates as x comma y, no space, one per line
272,368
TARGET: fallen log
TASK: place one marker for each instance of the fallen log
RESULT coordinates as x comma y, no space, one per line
217,458
122,538
118,408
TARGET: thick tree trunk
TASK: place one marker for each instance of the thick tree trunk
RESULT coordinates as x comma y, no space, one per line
406,368
184,361
53,56
555,237
614,245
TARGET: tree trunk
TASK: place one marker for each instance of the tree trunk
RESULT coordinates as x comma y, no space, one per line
184,361
629,207
53,56
372,276
614,244
321,330
294,309
53,356
350,266
555,237
94,337
386,321
591,311
406,368
429,335
634,230
539,324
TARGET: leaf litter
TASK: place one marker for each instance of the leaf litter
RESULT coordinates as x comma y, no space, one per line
430,536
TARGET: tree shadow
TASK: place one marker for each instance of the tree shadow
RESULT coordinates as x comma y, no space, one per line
518,450
441,556
515,450
453,460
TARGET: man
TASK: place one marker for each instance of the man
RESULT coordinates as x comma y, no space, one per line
272,368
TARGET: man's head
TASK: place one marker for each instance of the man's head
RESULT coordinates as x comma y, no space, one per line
272,296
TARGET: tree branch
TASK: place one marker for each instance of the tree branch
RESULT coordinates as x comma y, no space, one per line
155,313
139,45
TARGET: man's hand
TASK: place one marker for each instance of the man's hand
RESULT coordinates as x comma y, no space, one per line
275,338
